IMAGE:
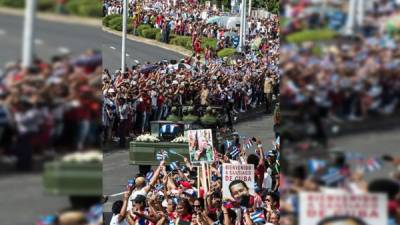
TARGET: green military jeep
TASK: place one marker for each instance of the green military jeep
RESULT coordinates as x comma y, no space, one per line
78,176
163,133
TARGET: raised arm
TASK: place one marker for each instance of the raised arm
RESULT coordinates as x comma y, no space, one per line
123,212
154,178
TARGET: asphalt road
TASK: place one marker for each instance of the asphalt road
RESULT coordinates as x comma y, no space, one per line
51,38
23,199
111,49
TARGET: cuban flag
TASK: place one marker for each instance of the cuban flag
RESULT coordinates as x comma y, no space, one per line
174,165
315,165
333,176
372,165
249,143
234,152
190,192
149,175
258,217
162,155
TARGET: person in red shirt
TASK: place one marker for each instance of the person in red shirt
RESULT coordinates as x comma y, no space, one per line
184,211
197,46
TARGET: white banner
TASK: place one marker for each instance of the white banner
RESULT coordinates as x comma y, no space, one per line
237,179
343,209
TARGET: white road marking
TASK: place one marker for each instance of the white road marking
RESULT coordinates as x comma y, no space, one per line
112,47
117,194
64,50
38,41
127,55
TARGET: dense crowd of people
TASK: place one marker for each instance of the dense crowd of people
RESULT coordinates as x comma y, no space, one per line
150,92
348,178
147,92
49,107
180,194
195,20
350,79
344,79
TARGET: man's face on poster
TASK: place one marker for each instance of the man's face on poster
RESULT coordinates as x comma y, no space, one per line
342,221
238,190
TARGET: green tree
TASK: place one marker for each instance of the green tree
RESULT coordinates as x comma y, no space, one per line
271,5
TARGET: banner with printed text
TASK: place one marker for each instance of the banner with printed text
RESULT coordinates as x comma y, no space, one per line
343,209
237,179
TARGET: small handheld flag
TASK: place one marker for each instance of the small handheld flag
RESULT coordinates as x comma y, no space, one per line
174,165
162,155
234,152
258,216
149,175
249,143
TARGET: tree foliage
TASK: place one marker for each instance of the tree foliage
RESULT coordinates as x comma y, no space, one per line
271,5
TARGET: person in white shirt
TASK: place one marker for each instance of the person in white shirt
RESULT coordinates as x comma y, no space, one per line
119,209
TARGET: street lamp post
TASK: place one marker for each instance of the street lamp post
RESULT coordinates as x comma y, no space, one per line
124,21
28,33
349,27
242,31
250,2
360,12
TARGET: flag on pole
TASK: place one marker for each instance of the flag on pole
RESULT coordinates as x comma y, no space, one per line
149,175
174,165
234,152
249,143
162,155
373,164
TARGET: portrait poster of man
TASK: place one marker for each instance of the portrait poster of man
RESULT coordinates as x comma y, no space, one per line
237,181
200,146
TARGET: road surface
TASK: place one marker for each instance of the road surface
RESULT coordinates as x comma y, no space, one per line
51,38
111,50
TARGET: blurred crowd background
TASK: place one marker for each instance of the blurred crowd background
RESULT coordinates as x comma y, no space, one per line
339,80
51,107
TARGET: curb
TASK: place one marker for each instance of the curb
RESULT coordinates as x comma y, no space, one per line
172,48
54,17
